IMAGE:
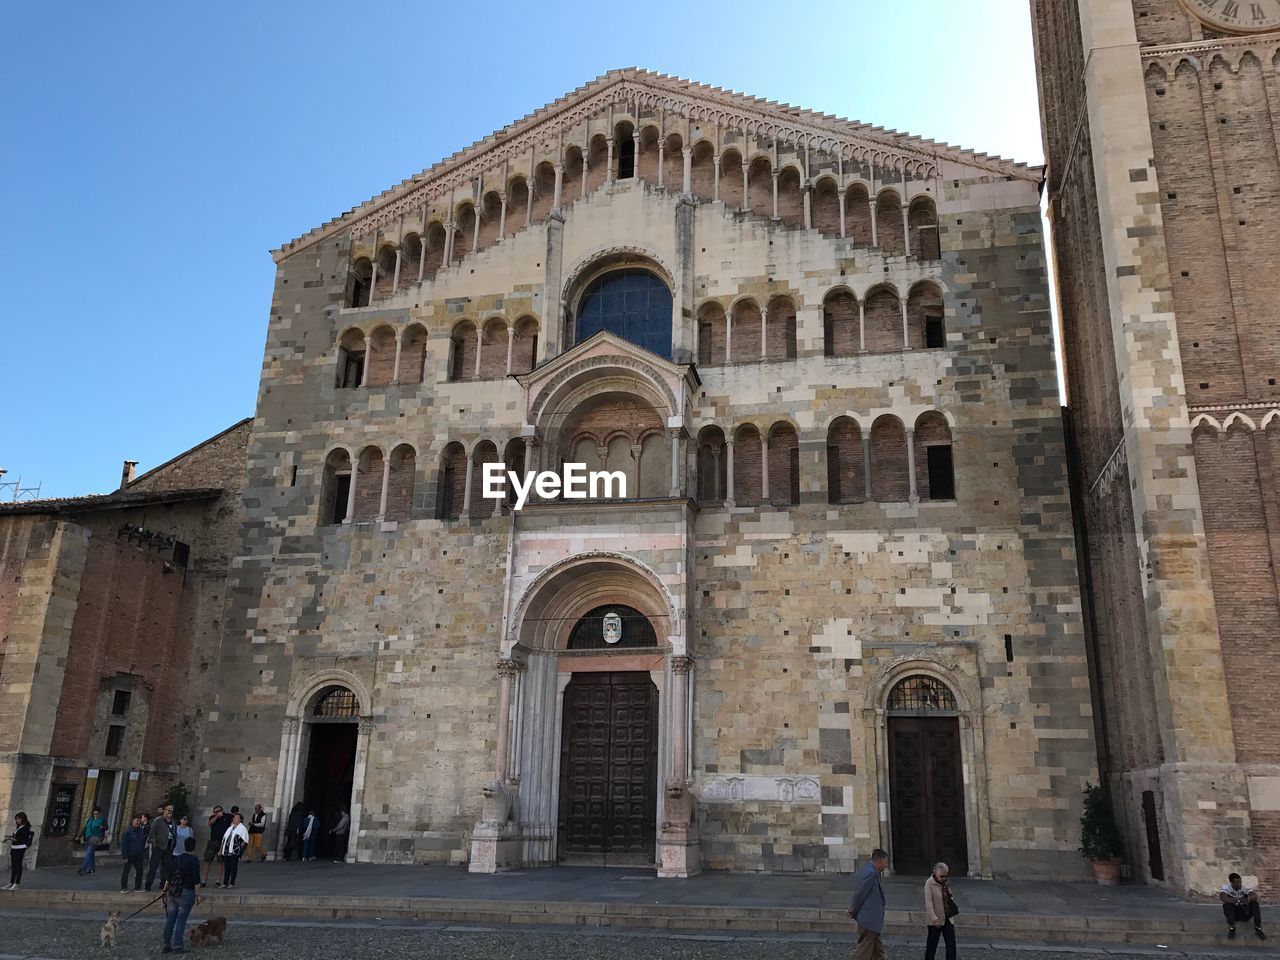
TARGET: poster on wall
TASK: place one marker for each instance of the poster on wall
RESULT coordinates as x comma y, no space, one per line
62,798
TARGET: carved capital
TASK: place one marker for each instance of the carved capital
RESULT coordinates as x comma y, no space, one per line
681,665
509,668
366,725
292,724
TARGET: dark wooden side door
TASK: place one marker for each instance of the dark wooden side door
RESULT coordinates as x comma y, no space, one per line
609,769
926,791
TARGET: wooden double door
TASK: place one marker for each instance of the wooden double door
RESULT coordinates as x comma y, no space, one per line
926,792
609,770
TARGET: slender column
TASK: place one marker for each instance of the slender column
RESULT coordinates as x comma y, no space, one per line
635,154
715,190
872,204
906,331
716,493
507,670
906,225
395,374
680,667
368,358
448,242
528,201
395,277
555,203
584,172
866,465
351,491
466,494
662,158
775,195
862,326
511,344
422,254
502,217
475,232
373,277
688,170
764,332
728,336
479,348
386,484
529,464
808,208
746,201
764,469
675,464
497,506
840,198
913,496
728,480
608,170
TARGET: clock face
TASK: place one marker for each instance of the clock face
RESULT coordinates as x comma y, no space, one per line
1238,16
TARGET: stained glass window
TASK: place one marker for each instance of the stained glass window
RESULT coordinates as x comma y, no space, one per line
336,702
632,303
920,694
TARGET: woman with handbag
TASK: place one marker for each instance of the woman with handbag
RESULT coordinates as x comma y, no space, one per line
91,834
939,908
233,843
20,841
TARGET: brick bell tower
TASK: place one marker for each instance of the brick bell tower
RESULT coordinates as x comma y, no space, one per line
1163,184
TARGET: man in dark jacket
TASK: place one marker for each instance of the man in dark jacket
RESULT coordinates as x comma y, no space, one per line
867,907
133,846
162,838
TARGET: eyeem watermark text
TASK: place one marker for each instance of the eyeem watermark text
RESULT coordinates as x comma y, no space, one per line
576,482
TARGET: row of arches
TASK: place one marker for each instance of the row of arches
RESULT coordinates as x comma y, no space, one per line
838,207
746,465
386,355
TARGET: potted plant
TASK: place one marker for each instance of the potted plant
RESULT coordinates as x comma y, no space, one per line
1100,839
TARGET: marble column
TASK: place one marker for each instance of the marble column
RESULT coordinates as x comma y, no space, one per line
555,202
913,495
687,154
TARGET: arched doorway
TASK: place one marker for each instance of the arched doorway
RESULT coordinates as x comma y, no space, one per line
333,722
926,780
609,747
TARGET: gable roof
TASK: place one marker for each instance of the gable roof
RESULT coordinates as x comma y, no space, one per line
646,89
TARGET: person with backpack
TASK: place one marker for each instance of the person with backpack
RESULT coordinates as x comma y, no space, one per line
92,833
234,842
181,894
133,847
162,840
20,842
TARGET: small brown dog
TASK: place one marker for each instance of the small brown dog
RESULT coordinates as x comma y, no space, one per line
107,935
210,930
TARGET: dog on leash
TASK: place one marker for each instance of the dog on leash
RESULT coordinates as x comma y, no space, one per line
210,930
107,935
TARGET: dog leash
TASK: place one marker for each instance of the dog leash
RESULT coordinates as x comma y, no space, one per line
140,909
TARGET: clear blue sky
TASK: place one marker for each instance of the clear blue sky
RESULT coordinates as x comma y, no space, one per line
155,152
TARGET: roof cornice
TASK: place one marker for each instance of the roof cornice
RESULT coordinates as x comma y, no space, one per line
915,157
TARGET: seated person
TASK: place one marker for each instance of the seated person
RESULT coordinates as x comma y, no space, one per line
1240,903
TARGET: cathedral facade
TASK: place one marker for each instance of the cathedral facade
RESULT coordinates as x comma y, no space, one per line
1163,181
838,607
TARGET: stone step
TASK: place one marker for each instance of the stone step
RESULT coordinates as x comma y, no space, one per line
776,919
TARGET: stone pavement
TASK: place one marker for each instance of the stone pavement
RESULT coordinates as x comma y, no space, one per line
999,910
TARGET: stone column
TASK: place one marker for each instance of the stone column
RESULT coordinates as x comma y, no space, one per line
906,330
466,493
906,223
775,195
395,277
351,491
495,839
422,254
608,170
866,465
679,854
475,232
862,326
368,358
555,203
502,216
676,485
395,372
746,200
662,158
680,667
764,332
840,196
584,171
386,483
511,346
913,496
448,242
635,154
871,202
373,276
728,480
808,207
687,154
716,492
508,669
715,195
764,469
479,348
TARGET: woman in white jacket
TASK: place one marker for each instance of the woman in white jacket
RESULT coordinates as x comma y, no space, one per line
234,842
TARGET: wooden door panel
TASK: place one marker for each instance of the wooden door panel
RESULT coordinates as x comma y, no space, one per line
926,787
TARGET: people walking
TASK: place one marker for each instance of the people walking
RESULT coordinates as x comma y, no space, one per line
293,832
338,837
310,827
181,894
19,843
1240,903
180,834
219,821
234,842
257,834
867,907
162,843
939,908
133,847
94,829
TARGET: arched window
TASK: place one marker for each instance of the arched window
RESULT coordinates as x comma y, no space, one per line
731,179
826,207
451,486
624,146
351,357
889,224
935,474
335,491
380,363
385,285
702,170
748,456
711,335
923,220
780,330
713,465
921,694
485,452
612,626
335,703
857,215
760,187
890,482
517,206
924,316
632,303
413,353
434,258
882,318
400,483
745,332
359,286
494,342
790,198
462,351
846,479
571,185
524,349
368,484
784,464
411,250
841,336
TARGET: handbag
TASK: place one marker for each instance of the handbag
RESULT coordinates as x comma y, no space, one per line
952,907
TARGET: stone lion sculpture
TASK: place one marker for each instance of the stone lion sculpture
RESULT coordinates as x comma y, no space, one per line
681,806
496,813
